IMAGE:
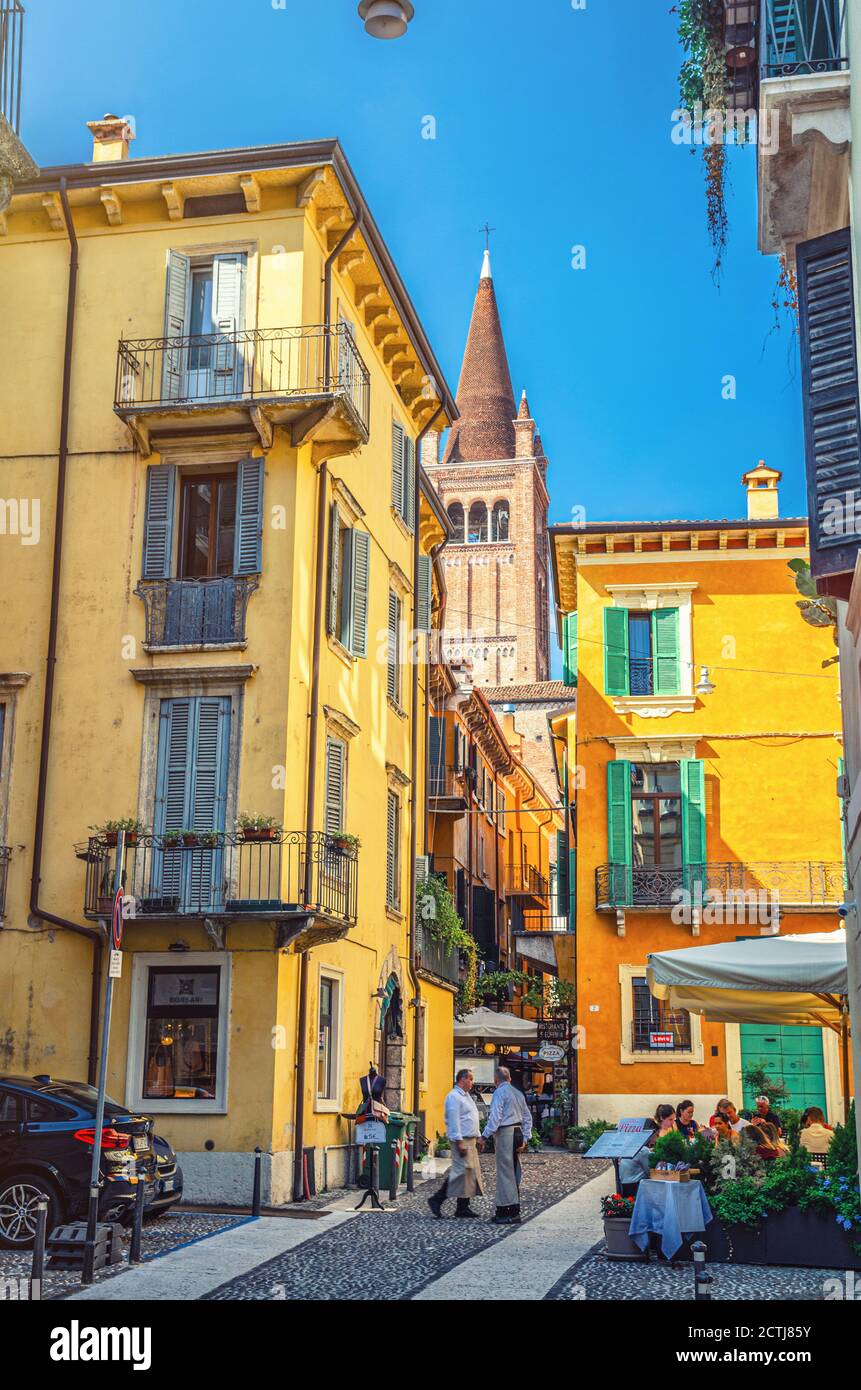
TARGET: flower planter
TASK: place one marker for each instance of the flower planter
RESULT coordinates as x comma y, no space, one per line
257,835
620,1246
804,1239
112,838
191,841
557,1136
104,906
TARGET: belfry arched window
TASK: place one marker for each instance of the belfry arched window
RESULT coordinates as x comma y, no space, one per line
477,523
499,522
455,516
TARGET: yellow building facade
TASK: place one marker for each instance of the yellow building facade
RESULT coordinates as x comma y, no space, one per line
702,767
213,554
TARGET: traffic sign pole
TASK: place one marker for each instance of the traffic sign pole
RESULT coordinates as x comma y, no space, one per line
116,938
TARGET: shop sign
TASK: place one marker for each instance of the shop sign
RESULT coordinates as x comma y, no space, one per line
552,1030
551,1052
660,1040
623,1142
370,1132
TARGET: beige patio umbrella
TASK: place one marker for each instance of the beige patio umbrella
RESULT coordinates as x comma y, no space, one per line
486,1025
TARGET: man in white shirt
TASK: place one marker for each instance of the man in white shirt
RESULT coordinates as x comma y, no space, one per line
510,1123
815,1135
462,1126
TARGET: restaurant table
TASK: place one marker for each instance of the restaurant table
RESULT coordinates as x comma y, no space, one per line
671,1210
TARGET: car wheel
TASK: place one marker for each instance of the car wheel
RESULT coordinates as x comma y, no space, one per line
19,1197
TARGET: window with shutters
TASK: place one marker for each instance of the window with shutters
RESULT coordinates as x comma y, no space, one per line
349,578
394,650
393,850
334,811
204,312
648,648
656,829
207,526
191,796
403,475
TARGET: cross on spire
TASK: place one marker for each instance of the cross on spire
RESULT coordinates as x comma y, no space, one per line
486,230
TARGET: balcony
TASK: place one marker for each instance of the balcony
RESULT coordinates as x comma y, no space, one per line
539,922
196,612
433,957
525,881
225,877
5,856
804,129
311,380
737,892
447,790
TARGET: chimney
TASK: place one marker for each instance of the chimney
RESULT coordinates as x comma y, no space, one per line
763,500
430,449
111,137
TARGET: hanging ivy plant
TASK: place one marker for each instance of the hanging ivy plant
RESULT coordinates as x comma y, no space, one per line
704,88
435,908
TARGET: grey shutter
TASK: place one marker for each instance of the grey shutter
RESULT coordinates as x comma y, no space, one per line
392,847
360,554
397,467
228,273
175,319
200,611
392,675
829,375
173,777
424,597
248,543
336,766
334,619
408,512
158,521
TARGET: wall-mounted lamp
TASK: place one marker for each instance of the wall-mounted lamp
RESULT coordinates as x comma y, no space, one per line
705,684
386,19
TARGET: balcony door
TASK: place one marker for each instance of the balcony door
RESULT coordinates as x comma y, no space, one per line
191,795
204,310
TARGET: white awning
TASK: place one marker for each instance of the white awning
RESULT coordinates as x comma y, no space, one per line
486,1025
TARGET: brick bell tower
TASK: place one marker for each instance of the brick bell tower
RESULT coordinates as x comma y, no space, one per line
492,480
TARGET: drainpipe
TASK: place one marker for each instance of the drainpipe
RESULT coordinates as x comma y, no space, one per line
313,732
38,913
414,755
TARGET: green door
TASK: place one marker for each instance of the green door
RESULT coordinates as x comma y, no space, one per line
794,1056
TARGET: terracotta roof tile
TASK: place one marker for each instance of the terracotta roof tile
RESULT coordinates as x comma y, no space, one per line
556,691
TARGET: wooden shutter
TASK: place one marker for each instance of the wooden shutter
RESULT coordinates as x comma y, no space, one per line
248,543
666,662
436,759
619,829
569,648
616,651
393,674
398,467
207,797
175,320
830,391
563,886
408,509
424,597
158,521
392,850
693,813
336,773
334,616
360,562
228,273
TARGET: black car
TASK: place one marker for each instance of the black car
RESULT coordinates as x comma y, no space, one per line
47,1133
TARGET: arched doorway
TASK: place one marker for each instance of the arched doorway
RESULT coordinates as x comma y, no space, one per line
392,1054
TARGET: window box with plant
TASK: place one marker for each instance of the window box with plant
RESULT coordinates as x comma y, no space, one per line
345,844
110,831
255,828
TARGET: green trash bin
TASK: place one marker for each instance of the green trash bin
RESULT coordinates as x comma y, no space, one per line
398,1127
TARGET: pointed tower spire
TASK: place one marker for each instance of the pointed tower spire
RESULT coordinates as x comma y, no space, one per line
485,397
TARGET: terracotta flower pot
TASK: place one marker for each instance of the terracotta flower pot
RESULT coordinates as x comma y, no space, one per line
191,840
267,833
557,1136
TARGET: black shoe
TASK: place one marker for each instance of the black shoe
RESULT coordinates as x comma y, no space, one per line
467,1214
436,1207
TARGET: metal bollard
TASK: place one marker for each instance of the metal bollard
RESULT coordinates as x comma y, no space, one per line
395,1173
137,1224
258,1181
37,1268
702,1279
375,1169
411,1177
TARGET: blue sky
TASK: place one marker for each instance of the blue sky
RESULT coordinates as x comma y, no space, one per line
554,125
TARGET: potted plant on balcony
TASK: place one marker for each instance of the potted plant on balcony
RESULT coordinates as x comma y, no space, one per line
171,838
258,827
110,831
617,1212
345,844
210,839
190,838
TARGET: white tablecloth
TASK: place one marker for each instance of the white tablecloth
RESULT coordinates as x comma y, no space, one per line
671,1210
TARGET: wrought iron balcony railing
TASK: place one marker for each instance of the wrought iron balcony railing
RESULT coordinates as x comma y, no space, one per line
194,612
447,783
803,36
539,922
654,1038
11,52
5,856
252,366
739,888
435,957
225,875
526,882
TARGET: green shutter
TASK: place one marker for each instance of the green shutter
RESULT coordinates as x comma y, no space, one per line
616,651
666,664
693,821
397,467
424,597
248,542
619,829
563,883
175,319
569,648
408,511
360,556
158,521
336,770
333,623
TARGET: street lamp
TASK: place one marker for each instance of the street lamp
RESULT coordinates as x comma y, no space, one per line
386,19
705,685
